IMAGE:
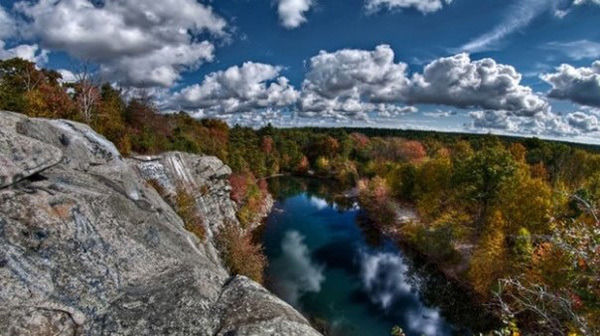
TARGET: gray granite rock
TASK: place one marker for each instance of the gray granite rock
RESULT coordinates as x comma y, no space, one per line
204,177
22,156
87,247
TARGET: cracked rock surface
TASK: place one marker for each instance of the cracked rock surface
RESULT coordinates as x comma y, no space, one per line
87,247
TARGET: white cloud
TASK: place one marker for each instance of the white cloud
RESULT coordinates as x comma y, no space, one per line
459,81
583,121
292,12
67,76
546,123
161,67
495,120
30,52
141,43
7,24
352,82
580,85
298,273
424,6
518,16
583,2
577,50
238,89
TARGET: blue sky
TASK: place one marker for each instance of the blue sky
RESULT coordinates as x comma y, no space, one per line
513,67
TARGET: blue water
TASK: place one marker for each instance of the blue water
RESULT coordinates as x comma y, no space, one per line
324,262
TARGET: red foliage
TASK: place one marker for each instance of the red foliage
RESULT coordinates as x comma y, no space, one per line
303,166
263,186
267,145
239,187
360,140
413,151
58,102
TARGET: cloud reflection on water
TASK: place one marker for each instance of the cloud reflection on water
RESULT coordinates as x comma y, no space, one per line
385,278
298,273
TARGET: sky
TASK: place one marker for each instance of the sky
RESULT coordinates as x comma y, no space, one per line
520,67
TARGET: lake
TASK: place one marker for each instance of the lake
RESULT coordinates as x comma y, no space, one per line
330,265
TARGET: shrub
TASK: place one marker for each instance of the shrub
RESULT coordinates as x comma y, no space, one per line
239,187
240,254
249,194
185,205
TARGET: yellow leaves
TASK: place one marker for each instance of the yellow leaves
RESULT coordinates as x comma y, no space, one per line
322,165
36,105
488,263
526,202
518,151
186,208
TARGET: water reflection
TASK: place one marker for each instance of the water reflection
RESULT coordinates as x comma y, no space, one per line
330,264
385,277
297,274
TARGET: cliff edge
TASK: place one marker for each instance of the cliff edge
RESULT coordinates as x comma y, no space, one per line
88,247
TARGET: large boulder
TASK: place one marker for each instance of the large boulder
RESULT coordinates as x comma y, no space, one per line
88,247
22,156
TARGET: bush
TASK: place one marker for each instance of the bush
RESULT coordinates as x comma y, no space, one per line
249,194
240,254
185,205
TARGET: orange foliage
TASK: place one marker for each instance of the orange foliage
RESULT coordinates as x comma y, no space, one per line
413,151
239,187
241,254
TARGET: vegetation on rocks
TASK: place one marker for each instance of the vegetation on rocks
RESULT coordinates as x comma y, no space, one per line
186,208
240,254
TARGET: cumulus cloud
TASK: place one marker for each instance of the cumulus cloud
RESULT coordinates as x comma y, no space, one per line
458,81
518,16
352,83
292,12
298,273
141,43
423,6
577,50
238,89
547,123
67,76
583,121
580,85
30,52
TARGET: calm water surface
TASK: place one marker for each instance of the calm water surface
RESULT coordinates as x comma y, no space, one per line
329,266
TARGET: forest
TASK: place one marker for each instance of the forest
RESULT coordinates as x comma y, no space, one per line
513,220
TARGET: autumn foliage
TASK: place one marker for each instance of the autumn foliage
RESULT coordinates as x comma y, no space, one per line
241,254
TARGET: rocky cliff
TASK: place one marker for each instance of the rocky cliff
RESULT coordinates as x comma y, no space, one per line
87,247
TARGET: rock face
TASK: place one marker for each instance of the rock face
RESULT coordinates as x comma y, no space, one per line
87,247
205,177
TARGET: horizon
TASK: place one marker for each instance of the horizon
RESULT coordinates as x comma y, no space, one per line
510,68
